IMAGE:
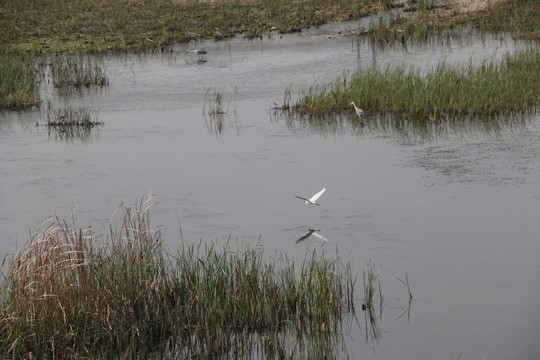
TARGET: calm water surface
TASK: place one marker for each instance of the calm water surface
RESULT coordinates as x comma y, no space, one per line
454,207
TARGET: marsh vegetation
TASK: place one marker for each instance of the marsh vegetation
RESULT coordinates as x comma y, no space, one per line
19,85
71,124
69,294
92,25
73,73
445,92
217,114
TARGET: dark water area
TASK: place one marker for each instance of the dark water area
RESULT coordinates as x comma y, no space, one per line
455,207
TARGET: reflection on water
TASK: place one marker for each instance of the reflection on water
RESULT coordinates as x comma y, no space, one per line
73,134
371,324
70,125
326,127
320,344
408,130
414,132
219,122
372,295
407,308
218,117
309,233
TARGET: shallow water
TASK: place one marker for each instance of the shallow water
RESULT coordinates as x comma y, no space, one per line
454,207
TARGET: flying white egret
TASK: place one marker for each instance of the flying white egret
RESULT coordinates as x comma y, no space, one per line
309,233
311,200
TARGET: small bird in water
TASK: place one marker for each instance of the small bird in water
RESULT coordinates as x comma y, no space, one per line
360,114
311,200
199,52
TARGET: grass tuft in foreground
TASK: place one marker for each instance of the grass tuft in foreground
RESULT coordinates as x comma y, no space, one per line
490,89
67,294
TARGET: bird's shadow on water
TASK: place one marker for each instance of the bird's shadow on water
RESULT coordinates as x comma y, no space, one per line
197,62
312,236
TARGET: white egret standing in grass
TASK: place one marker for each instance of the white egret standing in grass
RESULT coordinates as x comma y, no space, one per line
309,233
311,200
360,113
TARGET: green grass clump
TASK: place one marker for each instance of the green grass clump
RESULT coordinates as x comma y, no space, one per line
68,295
76,72
19,88
510,86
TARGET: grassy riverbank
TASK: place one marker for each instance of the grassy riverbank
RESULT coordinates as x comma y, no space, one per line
90,25
68,295
58,26
447,91
55,26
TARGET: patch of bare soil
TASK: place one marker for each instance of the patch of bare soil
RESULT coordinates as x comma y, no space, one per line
470,6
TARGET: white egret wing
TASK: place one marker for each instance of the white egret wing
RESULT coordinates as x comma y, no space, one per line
317,195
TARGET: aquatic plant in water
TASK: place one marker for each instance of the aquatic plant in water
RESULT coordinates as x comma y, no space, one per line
71,124
71,117
214,112
76,72
372,288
